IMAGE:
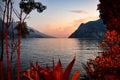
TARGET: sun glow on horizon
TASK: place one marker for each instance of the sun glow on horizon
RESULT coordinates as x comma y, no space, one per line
62,18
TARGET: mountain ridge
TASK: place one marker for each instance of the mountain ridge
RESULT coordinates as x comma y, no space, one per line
90,30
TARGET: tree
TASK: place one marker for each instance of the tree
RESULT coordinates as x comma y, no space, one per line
24,29
110,13
107,65
26,7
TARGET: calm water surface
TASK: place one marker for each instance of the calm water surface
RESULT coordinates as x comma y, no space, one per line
44,50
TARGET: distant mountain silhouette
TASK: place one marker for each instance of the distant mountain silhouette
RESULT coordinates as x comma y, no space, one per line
90,30
32,32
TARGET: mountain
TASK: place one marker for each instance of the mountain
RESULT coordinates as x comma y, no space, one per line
90,30
36,34
32,32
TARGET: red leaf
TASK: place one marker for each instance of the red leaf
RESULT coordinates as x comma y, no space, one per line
58,73
68,69
76,75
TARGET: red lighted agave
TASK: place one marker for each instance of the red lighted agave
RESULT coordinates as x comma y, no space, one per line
56,73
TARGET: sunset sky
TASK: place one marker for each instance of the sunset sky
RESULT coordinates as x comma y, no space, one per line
63,17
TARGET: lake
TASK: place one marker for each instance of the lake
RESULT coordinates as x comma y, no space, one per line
44,50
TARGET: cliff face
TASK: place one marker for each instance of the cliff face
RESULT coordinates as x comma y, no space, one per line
90,30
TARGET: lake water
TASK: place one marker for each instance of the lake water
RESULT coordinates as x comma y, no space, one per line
43,50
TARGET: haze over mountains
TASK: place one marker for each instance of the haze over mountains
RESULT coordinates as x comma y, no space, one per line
32,32
90,30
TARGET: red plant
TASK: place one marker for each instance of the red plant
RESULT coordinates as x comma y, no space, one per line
106,66
1,71
7,18
57,73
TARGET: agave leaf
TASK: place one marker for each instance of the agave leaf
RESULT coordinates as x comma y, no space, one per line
47,67
39,68
38,73
57,72
27,74
33,71
76,75
31,65
68,69
35,75
44,73
88,69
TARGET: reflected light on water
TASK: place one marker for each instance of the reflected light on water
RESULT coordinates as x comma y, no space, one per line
44,50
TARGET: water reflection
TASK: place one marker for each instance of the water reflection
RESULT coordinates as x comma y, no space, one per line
44,50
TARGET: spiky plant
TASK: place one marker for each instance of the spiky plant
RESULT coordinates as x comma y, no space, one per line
56,73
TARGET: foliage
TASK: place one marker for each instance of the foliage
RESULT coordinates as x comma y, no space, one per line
107,65
7,9
38,73
28,5
110,13
24,29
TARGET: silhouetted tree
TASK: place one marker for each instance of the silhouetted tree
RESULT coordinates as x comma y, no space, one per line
107,65
110,13
24,29
6,19
26,7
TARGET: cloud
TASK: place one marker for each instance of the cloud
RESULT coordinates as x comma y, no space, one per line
79,11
